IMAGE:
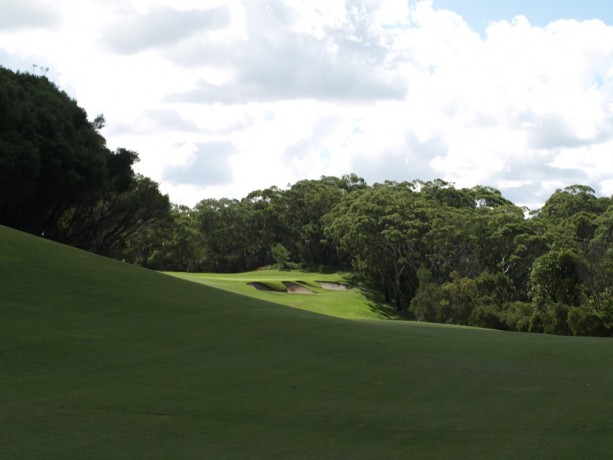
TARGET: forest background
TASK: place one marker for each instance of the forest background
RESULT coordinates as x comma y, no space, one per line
437,253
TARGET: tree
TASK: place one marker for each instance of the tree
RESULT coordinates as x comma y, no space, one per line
280,255
228,243
508,243
106,225
303,207
172,244
58,178
425,305
556,278
382,228
265,223
51,156
487,197
459,300
451,242
446,194
565,203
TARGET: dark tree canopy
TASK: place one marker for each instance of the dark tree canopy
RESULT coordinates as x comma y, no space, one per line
51,156
57,176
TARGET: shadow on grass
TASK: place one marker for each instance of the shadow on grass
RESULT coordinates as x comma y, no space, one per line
377,305
376,301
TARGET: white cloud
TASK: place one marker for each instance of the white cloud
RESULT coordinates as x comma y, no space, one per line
27,14
224,97
276,62
209,163
162,27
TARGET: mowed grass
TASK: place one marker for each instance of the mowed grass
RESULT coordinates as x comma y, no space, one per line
99,360
351,304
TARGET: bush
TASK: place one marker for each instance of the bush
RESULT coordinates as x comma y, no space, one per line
589,322
551,319
426,303
459,300
488,316
281,256
517,316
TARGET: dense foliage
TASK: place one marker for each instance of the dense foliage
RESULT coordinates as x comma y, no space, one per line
58,178
435,252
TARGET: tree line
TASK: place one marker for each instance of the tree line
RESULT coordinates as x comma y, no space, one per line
434,252
58,179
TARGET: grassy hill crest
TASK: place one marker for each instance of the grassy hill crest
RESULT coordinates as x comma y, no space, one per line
101,359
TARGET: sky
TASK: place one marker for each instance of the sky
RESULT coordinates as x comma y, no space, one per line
221,98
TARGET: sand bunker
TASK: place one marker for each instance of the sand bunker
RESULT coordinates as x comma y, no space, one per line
290,287
295,288
261,287
334,286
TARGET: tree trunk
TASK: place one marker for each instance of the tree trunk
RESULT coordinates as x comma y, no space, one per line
386,292
397,292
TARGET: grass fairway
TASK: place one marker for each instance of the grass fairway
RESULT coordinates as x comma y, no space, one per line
99,360
341,304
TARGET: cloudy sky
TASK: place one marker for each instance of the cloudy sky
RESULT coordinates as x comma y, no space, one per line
224,97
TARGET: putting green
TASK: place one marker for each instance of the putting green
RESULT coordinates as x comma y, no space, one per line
272,286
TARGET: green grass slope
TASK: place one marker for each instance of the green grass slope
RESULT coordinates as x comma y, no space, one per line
351,304
99,360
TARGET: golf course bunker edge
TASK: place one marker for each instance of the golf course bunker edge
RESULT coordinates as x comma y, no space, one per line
334,286
290,287
261,287
295,288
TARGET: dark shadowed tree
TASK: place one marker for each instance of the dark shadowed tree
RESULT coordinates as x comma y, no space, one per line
58,178
51,156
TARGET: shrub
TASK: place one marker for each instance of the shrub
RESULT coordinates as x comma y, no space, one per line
586,321
488,316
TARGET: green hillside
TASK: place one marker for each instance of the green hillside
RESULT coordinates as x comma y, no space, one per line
349,304
100,359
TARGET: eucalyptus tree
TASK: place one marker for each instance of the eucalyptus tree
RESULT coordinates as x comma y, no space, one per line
226,244
172,244
509,243
487,197
451,244
445,193
266,223
382,228
304,206
600,260
565,203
